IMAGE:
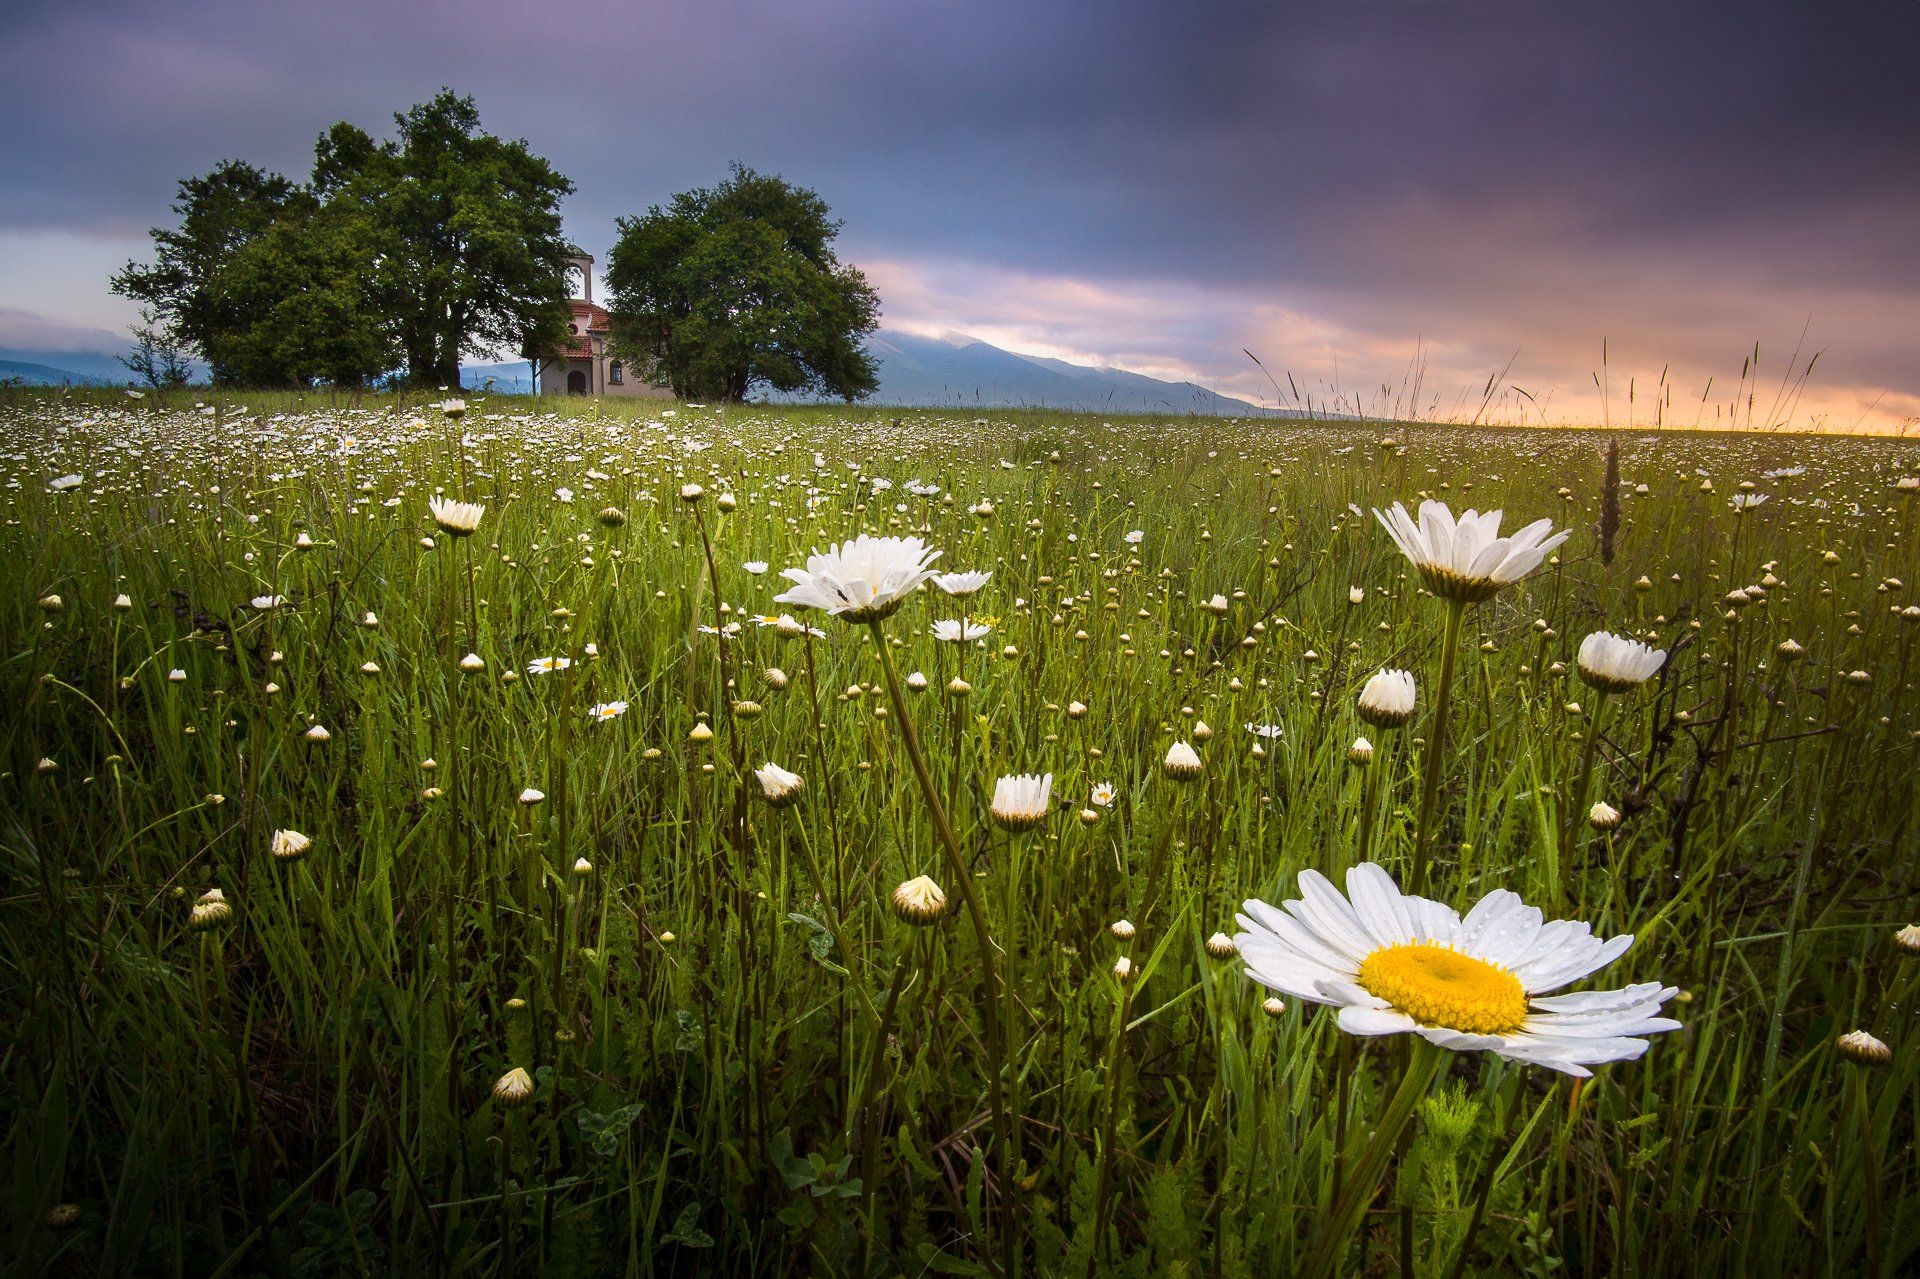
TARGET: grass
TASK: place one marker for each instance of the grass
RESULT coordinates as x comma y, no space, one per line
742,1059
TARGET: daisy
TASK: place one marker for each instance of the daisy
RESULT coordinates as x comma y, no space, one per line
1744,502
65,483
547,665
1393,963
755,567
1466,560
601,712
962,583
1387,699
863,580
1021,802
1614,663
1104,794
1268,731
1134,538
951,632
456,519
777,785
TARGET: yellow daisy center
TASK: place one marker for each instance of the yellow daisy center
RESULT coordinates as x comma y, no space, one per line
1439,986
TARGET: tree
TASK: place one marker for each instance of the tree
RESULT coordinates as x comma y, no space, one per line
738,285
156,359
468,256
441,244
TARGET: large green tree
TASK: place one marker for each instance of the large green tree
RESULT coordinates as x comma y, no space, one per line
469,259
737,286
412,252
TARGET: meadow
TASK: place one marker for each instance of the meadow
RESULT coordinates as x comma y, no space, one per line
390,889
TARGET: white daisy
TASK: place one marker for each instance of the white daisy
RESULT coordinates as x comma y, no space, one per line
1104,794
1268,731
755,567
1614,663
1022,801
601,712
1394,963
777,784
1466,560
458,519
547,665
952,632
962,583
863,580
1387,699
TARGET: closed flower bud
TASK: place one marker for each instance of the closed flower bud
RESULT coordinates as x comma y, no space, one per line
211,909
957,687
1603,816
582,868
513,1089
52,604
1908,939
1122,929
473,664
1221,946
774,678
691,493
318,734
530,796
700,733
919,901
613,517
1859,1046
1388,699
290,845
1123,969
1360,754
1273,1006
1182,762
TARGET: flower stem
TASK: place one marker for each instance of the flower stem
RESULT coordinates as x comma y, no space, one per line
963,881
1436,748
1364,1180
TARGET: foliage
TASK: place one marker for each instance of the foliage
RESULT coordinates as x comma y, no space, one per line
441,244
737,286
743,1060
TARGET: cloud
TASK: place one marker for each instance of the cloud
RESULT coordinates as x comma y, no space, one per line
1342,183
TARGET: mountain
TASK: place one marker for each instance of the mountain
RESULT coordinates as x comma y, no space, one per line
34,373
966,373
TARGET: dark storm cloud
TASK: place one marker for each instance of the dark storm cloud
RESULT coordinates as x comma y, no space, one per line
1698,175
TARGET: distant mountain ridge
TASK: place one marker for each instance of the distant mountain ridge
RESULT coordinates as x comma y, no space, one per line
915,372
967,373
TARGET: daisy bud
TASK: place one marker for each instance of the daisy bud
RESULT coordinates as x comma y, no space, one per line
1088,816
61,1216
46,767
1201,733
290,845
919,901
582,868
318,734
1859,679
1790,651
700,733
1360,754
1273,1006
777,785
1388,698
776,679
1076,710
530,796
917,682
1121,929
176,676
667,938
1123,969
1221,946
1908,939
513,1089
1860,1047
613,517
123,602
473,664
1603,816
211,909
725,502
1356,595
691,493
369,668
957,687
52,604
1182,763
746,710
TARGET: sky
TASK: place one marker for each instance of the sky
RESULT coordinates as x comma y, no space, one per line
1600,211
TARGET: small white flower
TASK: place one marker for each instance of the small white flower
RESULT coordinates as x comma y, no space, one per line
1614,663
952,632
755,567
548,665
1466,560
1387,699
1268,731
961,583
1134,538
267,603
1104,794
1022,801
456,519
65,483
601,712
777,785
863,580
